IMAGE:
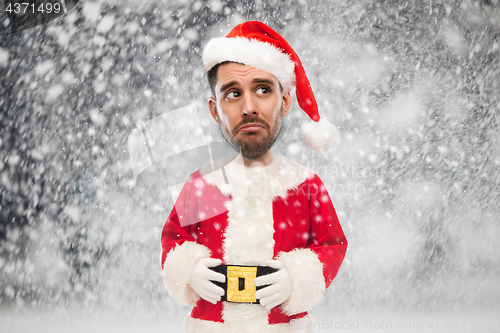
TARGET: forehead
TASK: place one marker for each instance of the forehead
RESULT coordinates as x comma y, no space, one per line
242,74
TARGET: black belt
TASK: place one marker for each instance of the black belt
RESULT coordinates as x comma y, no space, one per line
239,286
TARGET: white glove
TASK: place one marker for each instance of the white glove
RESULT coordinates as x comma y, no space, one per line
279,289
200,280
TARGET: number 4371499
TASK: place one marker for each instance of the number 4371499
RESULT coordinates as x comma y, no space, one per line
21,8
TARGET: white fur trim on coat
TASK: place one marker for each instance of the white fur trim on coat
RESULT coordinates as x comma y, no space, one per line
301,325
178,268
253,53
308,282
248,238
272,181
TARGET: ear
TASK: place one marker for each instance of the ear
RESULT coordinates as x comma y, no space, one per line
287,103
212,107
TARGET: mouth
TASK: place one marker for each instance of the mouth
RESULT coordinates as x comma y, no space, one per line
251,127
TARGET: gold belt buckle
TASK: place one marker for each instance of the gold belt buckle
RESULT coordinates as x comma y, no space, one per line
234,274
239,286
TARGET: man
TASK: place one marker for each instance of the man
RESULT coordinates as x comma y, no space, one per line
254,245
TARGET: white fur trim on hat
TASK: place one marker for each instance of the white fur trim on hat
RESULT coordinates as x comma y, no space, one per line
253,53
322,136
308,282
178,268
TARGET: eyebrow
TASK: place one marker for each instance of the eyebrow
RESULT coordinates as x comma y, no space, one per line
232,83
227,85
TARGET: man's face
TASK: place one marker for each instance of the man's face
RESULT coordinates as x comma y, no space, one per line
248,106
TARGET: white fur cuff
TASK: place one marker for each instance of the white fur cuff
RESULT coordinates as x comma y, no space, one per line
308,283
178,268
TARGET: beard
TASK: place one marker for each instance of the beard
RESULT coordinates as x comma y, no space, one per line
251,148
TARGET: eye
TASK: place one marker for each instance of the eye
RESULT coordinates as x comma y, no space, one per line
262,90
232,95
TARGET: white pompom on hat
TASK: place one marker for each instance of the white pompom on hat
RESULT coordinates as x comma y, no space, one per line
255,44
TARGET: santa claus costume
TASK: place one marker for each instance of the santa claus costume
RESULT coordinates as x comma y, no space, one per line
249,216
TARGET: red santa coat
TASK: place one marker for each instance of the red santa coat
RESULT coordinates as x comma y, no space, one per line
247,216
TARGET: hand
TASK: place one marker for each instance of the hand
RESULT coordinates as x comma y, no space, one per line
279,289
200,280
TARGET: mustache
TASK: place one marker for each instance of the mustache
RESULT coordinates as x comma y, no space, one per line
252,119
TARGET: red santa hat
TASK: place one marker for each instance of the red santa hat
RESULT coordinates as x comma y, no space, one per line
255,44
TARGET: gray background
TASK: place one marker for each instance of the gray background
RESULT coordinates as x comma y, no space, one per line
412,85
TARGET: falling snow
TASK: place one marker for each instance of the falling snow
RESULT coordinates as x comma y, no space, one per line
411,85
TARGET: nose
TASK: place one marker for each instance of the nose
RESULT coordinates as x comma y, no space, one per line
249,105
